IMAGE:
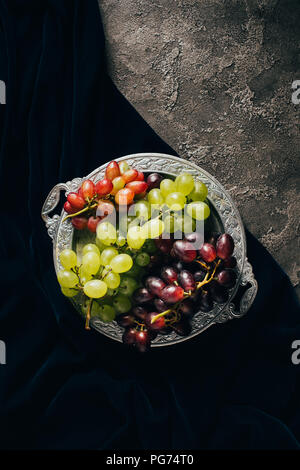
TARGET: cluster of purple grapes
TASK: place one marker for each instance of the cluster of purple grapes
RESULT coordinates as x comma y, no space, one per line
181,281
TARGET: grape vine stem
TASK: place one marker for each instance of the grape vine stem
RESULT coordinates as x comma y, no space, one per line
88,315
85,209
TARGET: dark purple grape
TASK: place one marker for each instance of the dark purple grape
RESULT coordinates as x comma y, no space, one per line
143,341
225,246
212,238
229,262
154,181
182,328
227,278
155,285
129,336
184,250
207,252
178,265
219,293
195,296
169,274
186,308
164,244
172,294
142,295
206,302
154,260
199,275
125,320
159,324
160,305
186,280
196,239
139,312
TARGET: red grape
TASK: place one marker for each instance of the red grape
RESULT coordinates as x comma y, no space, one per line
229,262
103,187
76,201
212,239
225,246
88,189
172,294
196,239
199,275
158,324
160,305
169,274
92,223
137,187
79,222
164,244
129,336
143,341
186,280
68,208
227,278
112,170
184,250
154,180
140,176
130,175
142,295
125,320
105,208
124,196
186,307
207,252
155,285
80,192
140,312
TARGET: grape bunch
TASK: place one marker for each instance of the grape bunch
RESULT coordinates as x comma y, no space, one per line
137,271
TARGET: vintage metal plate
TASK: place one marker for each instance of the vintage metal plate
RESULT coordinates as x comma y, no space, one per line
225,216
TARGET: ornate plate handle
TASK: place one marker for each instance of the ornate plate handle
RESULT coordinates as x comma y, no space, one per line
247,299
49,205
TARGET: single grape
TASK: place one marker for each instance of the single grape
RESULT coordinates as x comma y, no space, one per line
107,255
103,187
172,294
123,166
199,275
140,176
118,183
68,208
112,280
140,312
153,228
196,239
68,258
164,244
92,223
121,263
207,252
227,278
76,201
167,186
159,324
124,197
186,308
186,280
206,303
184,183
107,313
142,259
142,209
91,262
160,305
121,303
153,180
79,222
129,336
105,208
106,233
95,288
112,170
135,271
142,295
175,201
212,238
67,278
69,292
155,197
198,210
130,175
169,274
155,285
229,262
178,265
125,320
88,189
90,247
150,246
184,250
199,192
143,341
121,240
100,245
135,237
225,246
84,276
128,285
138,187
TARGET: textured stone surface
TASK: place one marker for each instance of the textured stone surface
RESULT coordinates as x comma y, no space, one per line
213,78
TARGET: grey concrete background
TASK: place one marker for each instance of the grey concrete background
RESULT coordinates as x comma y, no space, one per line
213,78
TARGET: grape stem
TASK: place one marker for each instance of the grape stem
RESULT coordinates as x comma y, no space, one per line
86,208
202,264
88,315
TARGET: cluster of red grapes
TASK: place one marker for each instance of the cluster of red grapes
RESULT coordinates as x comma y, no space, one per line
181,281
121,184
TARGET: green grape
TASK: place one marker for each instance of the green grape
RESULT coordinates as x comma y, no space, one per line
198,210
107,313
134,223
167,186
149,246
135,237
128,285
91,262
106,233
122,303
90,247
95,288
112,280
184,224
199,192
153,228
84,276
67,278
142,209
155,197
123,165
69,292
121,263
135,271
100,245
121,240
111,292
107,255
142,259
184,183
169,222
175,201
68,258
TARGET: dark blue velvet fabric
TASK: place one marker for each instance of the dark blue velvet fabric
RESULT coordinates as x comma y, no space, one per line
233,386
